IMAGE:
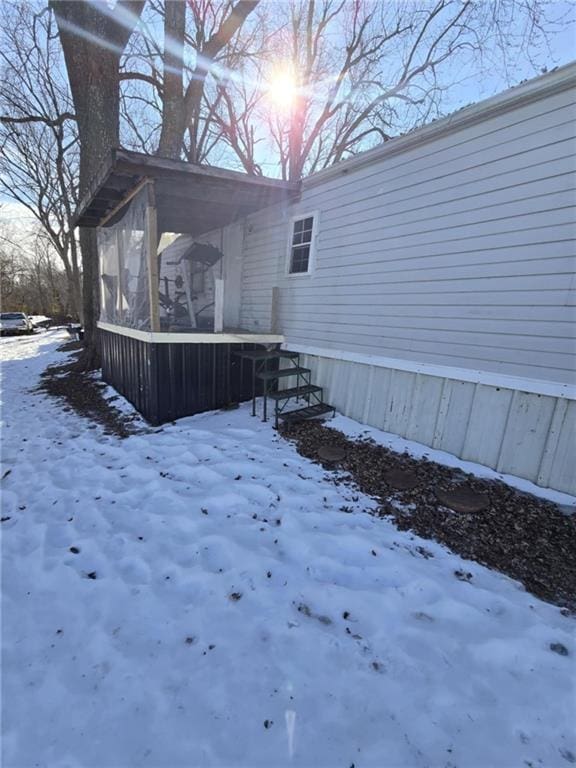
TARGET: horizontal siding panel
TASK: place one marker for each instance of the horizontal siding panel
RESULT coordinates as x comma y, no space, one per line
549,160
446,173
461,357
397,260
454,317
458,228
537,332
420,203
535,268
516,124
457,241
423,248
427,192
538,373
346,302
458,212
461,193
503,345
341,287
512,257
559,316
392,346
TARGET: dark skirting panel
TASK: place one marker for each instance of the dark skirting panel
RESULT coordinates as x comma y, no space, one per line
168,381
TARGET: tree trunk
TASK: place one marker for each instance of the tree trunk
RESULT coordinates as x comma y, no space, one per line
173,125
181,111
75,282
93,72
296,140
91,302
97,137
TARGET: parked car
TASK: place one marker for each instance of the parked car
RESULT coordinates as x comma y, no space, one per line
13,323
40,321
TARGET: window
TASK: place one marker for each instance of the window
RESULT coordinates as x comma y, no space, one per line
301,245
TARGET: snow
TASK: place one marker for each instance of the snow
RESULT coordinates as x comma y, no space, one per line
154,663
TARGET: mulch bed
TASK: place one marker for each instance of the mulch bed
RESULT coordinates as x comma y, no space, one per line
522,536
82,393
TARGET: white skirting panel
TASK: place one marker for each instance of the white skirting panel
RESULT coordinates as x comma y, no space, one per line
520,433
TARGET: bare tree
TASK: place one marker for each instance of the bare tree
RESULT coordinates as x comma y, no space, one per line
38,139
172,86
93,37
358,73
31,276
12,268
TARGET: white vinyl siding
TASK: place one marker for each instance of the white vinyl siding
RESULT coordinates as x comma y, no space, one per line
459,251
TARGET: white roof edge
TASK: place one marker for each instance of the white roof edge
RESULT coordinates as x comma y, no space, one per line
544,85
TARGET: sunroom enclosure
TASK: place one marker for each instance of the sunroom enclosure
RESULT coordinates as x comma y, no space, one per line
168,283
155,280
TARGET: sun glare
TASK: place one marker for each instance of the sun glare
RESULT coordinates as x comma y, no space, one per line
283,89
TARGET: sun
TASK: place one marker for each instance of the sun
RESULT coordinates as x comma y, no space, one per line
283,88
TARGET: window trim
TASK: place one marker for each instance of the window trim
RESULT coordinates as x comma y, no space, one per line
315,216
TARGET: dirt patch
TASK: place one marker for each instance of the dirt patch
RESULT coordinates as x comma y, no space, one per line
80,391
520,535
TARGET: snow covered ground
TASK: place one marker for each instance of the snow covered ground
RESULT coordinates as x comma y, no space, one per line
195,596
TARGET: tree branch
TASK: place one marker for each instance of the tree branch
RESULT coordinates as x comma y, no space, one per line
50,122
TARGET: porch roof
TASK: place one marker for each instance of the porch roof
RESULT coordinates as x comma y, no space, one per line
190,198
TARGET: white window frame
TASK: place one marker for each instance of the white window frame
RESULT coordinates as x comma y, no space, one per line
315,216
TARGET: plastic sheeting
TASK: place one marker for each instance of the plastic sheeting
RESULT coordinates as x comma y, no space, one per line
188,273
123,257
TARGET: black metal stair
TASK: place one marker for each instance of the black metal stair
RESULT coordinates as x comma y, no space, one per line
266,354
266,371
287,394
310,412
282,373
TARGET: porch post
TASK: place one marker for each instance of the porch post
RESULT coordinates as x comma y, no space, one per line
120,287
275,309
218,305
152,250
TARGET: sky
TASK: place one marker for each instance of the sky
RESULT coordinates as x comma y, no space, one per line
472,88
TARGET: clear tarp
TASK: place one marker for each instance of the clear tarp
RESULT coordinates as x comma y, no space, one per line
188,273
190,285
123,258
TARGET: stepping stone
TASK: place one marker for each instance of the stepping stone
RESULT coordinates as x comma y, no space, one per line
400,479
331,453
462,499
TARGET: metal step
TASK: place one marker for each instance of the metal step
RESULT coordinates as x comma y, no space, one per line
282,373
310,412
266,354
286,394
